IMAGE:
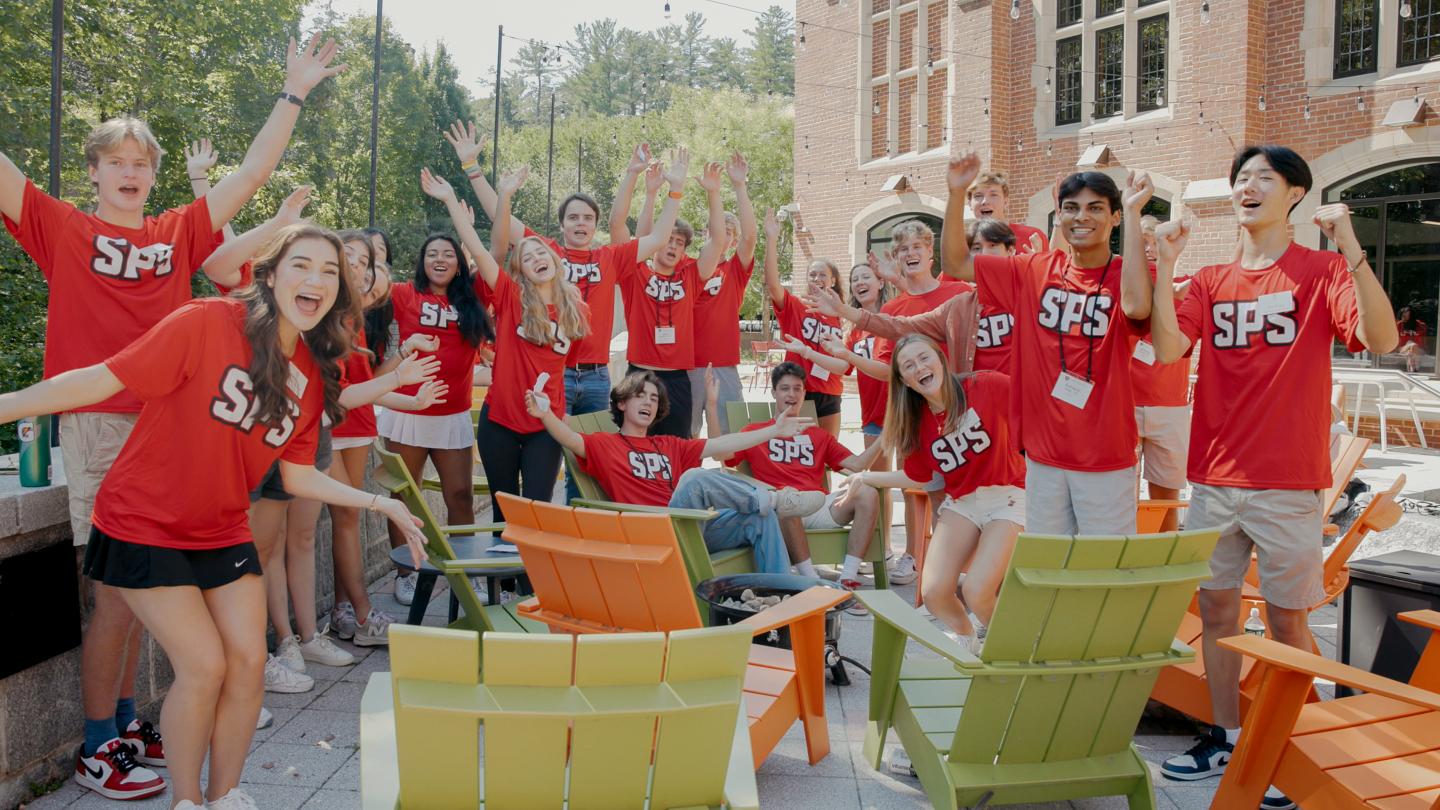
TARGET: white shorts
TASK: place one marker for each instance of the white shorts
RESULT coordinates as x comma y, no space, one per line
451,432
1164,443
347,442
988,504
821,518
1283,526
1067,502
89,443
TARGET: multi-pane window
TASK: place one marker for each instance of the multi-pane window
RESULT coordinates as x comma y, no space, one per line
1068,12
906,75
1355,36
1109,71
1067,81
1420,33
1104,7
1154,46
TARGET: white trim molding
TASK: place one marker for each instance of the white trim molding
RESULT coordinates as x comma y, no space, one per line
885,208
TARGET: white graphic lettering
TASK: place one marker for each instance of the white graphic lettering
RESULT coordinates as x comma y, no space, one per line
236,405
117,258
992,330
1238,322
952,450
1062,310
432,314
650,466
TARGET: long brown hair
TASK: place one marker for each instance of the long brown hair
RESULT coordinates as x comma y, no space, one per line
906,407
534,317
328,341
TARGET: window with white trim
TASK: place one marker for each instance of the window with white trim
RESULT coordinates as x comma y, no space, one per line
904,70
1110,59
1371,35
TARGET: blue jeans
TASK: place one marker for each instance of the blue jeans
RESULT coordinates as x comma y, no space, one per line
585,392
744,517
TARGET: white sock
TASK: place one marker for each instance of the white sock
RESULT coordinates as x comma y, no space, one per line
805,568
1232,735
851,568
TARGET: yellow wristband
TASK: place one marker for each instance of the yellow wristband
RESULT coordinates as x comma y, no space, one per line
469,164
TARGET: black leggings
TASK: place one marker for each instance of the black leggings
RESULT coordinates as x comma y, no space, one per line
513,459
677,389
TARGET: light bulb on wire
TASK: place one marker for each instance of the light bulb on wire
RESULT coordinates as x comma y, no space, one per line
1159,98
1307,108
667,11
1360,103
1047,81
1405,10
802,32
1205,12
1014,9
1261,103
875,108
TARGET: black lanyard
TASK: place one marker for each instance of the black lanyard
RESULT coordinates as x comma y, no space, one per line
1084,311
670,485
665,309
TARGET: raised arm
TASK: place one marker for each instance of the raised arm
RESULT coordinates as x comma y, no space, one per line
500,230
70,391
739,171
12,188
840,354
772,257
620,209
304,481
224,265
1170,343
955,258
199,157
713,425
715,228
1135,292
305,68
654,179
466,139
1377,329
1057,236
537,404
824,359
438,187
651,243
731,443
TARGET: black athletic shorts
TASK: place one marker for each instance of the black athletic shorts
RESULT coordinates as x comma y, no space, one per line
272,487
122,564
825,404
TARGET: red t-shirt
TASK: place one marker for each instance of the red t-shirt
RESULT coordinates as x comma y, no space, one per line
1023,233
359,422
1262,414
908,304
717,314
1059,306
799,321
595,273
1415,334
518,362
1158,385
109,284
184,477
660,313
799,461
430,314
873,392
642,470
994,338
980,451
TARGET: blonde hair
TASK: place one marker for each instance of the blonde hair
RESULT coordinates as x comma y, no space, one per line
108,136
732,221
1148,224
991,178
902,416
535,319
912,229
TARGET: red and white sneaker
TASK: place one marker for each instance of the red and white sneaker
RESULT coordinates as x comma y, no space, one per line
114,773
855,607
144,740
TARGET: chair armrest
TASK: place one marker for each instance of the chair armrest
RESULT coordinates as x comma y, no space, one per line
380,765
1284,656
1429,619
811,601
482,563
615,506
473,528
740,790
889,608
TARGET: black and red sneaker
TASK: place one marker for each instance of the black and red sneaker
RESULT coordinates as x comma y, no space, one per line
144,741
114,773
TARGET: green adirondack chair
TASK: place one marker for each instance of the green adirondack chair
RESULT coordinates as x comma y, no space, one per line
393,475
1048,709
700,562
827,546
595,721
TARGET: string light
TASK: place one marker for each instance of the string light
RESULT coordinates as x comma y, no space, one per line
802,32
1202,112
1261,103
1159,98
1014,9
1307,106
667,11
1019,145
987,106
930,62
1048,71
875,108
1205,12
1049,149
1405,9
1360,103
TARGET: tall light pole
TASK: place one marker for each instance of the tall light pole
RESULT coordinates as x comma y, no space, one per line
550,167
57,46
375,108
495,136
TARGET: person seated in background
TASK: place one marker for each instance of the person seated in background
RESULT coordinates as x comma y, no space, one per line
800,461
635,467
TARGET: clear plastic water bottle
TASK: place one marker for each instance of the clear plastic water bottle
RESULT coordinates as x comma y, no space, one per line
1253,625
35,451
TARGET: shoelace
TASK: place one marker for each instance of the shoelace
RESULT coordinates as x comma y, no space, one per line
148,733
122,758
1204,746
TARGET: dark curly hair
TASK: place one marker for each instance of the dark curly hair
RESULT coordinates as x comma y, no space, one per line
474,324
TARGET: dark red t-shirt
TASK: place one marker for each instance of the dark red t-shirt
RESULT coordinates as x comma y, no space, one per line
1023,233
430,314
519,362
980,451
717,314
109,284
359,422
908,304
184,477
873,392
595,272
799,461
810,327
660,314
641,470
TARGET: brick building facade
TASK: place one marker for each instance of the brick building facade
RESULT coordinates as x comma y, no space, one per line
887,90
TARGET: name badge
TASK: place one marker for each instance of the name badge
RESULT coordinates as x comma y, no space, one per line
1145,352
1283,301
664,335
1072,390
819,372
801,438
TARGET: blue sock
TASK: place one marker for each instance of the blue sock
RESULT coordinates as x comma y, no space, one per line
124,713
97,733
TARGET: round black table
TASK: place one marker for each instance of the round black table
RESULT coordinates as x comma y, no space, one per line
467,547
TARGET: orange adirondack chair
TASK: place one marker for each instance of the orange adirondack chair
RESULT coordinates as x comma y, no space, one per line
598,571
1378,751
1184,687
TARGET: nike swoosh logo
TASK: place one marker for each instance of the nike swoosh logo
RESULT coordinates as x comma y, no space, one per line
97,773
242,562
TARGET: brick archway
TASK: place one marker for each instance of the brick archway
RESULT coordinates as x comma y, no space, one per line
885,208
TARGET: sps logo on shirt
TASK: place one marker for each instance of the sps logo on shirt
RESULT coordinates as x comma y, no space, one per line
792,451
236,404
1062,310
559,343
993,329
582,273
815,331
432,314
664,289
952,450
650,466
1237,323
117,258
865,347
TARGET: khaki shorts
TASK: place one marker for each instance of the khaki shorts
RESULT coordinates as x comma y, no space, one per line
821,518
1076,502
89,443
1164,444
1284,528
988,504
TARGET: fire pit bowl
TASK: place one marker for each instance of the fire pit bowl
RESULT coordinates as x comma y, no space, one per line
718,591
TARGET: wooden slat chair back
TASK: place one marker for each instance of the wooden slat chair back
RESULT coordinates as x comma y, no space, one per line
595,721
1374,751
699,561
827,546
1049,708
605,572
1350,458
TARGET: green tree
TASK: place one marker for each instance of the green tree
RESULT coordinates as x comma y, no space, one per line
771,57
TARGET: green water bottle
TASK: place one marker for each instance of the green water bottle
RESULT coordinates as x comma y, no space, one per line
35,451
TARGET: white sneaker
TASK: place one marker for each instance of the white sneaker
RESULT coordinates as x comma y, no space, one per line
342,620
903,571
792,502
236,799
968,641
405,588
900,762
265,720
280,678
477,584
322,650
186,804
288,653
828,572
375,632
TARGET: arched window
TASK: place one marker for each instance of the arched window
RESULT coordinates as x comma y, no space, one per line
878,237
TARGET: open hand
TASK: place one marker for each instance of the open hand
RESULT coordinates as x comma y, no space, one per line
679,165
824,301
431,393
961,172
436,186
419,343
199,157
1139,188
832,345
772,225
294,205
409,527
738,169
417,369
710,177
885,267
514,181
794,344
639,159
307,67
712,385
466,138
654,176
